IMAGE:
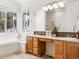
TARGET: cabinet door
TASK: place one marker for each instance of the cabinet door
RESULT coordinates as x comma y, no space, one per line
59,52
59,49
72,51
29,44
59,56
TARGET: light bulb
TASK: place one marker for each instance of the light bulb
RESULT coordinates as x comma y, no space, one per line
50,7
55,6
45,8
61,4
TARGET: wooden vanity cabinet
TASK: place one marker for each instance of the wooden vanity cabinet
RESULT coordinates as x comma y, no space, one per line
63,49
29,45
59,49
72,50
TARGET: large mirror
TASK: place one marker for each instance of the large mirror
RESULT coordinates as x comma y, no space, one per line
64,17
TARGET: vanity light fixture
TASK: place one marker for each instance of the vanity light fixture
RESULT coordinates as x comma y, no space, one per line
61,4
55,5
45,8
50,7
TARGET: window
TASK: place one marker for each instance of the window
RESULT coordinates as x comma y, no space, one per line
11,22
2,21
7,21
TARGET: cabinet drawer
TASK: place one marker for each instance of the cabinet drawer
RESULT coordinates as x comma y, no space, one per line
35,44
35,39
29,37
59,43
59,56
48,40
35,51
59,50
72,44
43,40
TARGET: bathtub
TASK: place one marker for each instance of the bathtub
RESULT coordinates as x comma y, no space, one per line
9,44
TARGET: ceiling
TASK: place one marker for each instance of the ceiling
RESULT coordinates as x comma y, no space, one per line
32,4
20,2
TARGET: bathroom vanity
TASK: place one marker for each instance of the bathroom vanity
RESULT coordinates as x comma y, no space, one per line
65,47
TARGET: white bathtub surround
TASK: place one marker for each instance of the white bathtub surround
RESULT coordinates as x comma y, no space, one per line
9,35
9,44
5,43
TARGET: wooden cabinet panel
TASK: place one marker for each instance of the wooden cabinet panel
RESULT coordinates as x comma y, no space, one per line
35,39
35,44
35,51
59,50
59,56
72,57
29,44
72,50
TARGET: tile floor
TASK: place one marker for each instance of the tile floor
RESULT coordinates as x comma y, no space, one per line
24,56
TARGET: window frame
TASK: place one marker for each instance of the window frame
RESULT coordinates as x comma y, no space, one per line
5,24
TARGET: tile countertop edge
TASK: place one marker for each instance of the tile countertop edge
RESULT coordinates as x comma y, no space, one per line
68,39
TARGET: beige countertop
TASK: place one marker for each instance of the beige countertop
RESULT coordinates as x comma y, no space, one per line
69,39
